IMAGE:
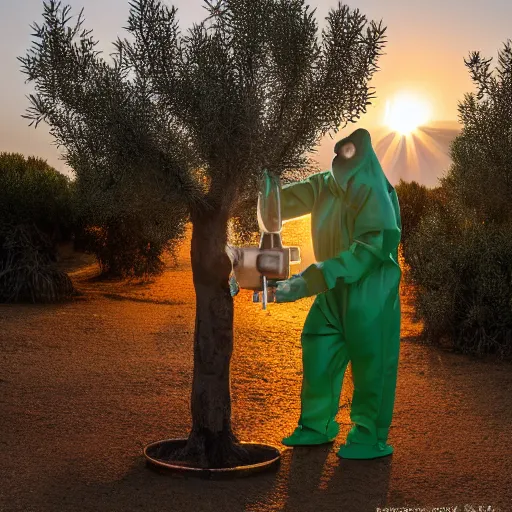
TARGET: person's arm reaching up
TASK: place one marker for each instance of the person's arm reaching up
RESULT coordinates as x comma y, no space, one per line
297,199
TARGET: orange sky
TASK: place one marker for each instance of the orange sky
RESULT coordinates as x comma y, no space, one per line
427,44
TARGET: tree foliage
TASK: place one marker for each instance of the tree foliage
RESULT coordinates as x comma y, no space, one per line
194,118
481,175
31,191
461,255
35,212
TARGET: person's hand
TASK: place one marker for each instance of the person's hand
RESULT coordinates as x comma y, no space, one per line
233,285
292,289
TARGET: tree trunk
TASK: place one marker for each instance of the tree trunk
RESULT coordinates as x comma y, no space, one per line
211,442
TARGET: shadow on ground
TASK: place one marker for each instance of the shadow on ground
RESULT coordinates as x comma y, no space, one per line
307,480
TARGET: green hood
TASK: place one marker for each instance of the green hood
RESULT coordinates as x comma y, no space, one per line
365,157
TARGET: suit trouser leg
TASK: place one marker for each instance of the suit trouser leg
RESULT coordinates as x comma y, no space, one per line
391,368
373,337
324,359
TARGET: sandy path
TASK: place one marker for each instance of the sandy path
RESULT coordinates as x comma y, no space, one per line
83,386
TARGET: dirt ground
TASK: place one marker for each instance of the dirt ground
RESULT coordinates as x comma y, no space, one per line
85,385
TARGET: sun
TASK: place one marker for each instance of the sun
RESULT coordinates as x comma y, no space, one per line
406,112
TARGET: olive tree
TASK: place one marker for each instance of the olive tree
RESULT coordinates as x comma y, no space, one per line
36,212
481,174
459,256
192,119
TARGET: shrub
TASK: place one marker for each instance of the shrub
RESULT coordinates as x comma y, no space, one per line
413,199
124,248
463,275
35,213
27,269
126,226
460,257
33,192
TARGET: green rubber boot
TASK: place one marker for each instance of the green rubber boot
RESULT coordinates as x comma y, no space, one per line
364,451
362,443
303,436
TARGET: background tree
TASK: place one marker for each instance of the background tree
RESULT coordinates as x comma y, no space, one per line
192,120
481,174
415,202
461,254
413,199
36,212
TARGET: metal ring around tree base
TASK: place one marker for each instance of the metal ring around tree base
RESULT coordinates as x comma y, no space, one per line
266,457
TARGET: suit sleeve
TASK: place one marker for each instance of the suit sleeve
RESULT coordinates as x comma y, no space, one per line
375,236
297,199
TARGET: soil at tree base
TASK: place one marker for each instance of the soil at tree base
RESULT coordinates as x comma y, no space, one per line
85,386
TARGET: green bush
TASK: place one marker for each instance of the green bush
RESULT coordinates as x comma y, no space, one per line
462,270
125,218
460,257
31,191
27,267
124,248
123,224
413,199
35,213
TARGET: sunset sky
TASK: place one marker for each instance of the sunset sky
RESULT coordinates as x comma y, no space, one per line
427,42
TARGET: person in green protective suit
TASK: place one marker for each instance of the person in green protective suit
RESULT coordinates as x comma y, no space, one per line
356,227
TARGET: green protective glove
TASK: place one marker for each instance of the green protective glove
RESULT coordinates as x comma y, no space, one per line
292,289
233,285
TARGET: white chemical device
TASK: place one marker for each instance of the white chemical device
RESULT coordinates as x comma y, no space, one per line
254,267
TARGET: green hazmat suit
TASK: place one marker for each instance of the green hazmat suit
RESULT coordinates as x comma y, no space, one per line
356,227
